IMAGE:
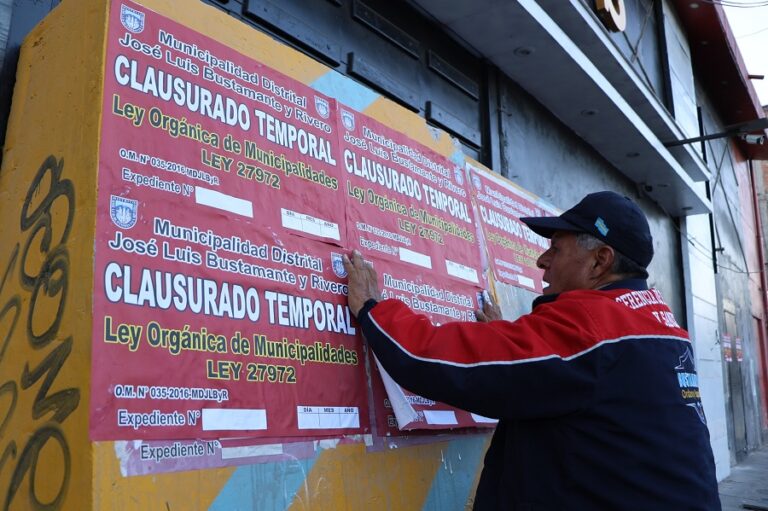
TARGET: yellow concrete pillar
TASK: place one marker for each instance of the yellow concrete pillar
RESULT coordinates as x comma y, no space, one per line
47,198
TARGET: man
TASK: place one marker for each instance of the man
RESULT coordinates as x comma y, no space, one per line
595,390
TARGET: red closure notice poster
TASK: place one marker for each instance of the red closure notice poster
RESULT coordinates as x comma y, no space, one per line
219,297
406,203
512,247
442,301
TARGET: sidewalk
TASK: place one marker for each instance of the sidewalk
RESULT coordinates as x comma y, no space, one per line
747,486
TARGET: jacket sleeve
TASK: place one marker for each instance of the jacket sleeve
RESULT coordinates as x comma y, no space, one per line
539,366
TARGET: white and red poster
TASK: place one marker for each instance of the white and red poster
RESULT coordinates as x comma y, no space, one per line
406,203
442,301
219,297
727,347
512,247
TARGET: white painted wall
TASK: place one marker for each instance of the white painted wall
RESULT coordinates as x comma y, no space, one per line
701,306
681,74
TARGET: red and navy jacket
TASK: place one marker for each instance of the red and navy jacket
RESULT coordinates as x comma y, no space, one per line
595,391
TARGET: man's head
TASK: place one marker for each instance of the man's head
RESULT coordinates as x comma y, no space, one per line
603,238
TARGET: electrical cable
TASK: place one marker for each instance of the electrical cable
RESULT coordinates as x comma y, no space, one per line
738,5
743,36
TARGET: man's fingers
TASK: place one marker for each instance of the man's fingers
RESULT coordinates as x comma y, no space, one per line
490,312
480,315
371,271
354,263
357,259
346,262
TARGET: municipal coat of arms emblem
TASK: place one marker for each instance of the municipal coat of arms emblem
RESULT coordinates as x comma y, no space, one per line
322,107
132,19
458,173
123,212
476,181
338,265
348,119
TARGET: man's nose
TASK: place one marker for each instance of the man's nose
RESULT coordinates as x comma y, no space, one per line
543,261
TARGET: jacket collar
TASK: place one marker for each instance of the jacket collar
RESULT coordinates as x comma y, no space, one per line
631,284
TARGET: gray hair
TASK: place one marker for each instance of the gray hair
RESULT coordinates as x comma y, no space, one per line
622,265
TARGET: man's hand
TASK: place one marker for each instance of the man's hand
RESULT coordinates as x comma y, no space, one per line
490,312
363,281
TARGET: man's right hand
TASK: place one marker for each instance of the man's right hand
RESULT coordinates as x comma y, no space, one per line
363,281
490,311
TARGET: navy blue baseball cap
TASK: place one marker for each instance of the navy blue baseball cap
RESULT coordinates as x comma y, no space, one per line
609,217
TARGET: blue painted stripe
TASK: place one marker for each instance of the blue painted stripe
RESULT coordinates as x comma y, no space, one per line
345,89
263,487
456,474
458,155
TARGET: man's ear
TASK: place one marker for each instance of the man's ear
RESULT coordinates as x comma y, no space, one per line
603,262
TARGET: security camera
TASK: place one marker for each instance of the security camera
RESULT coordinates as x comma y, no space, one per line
754,139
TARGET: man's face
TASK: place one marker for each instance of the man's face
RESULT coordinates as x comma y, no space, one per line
566,265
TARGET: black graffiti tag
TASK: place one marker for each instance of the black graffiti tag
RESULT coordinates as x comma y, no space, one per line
53,273
13,304
28,463
48,210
